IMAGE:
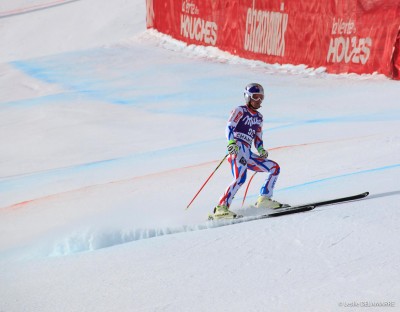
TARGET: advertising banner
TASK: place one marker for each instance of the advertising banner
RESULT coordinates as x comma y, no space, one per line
345,36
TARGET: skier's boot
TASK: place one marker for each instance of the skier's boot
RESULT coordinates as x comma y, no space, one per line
266,202
223,212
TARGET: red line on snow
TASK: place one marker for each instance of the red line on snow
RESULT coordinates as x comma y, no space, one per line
48,197
51,196
34,8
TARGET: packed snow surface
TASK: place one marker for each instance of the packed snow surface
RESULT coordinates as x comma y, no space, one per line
108,130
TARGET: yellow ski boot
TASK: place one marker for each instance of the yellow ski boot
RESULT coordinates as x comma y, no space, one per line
222,212
266,202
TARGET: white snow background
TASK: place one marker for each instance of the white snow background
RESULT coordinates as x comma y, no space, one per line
107,131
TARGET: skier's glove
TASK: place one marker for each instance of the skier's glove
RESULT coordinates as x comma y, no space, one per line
262,152
232,147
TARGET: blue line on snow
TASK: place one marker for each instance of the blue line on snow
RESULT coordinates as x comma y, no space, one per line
341,176
330,178
94,168
87,73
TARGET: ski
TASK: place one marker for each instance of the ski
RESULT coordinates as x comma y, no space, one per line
333,201
310,206
241,219
286,210
211,217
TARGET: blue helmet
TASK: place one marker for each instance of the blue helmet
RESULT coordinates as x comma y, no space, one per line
252,88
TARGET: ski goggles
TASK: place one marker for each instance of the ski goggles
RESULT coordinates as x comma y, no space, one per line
260,97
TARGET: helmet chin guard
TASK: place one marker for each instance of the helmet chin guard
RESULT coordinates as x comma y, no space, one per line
251,89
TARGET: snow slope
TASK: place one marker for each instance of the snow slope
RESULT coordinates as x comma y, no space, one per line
108,131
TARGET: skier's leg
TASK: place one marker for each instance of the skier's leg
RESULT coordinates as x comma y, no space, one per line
259,164
268,186
239,171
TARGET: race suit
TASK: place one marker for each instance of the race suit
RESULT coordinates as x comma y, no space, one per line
245,126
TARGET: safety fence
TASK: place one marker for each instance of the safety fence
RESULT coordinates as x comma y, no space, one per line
344,36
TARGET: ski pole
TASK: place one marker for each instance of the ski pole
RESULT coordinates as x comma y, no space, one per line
247,188
207,180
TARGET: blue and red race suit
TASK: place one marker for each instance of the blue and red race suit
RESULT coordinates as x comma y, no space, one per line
245,127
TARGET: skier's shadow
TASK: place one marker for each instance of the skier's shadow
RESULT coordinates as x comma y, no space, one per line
372,196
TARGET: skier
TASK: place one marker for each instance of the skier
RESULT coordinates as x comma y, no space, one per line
243,128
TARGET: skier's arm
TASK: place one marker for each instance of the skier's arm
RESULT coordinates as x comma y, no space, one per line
233,120
259,144
258,141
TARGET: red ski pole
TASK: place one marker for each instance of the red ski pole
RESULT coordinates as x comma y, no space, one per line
204,184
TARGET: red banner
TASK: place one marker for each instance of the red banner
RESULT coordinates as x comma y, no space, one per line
396,59
357,36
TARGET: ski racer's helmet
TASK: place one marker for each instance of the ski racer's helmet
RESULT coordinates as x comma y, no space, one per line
251,89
